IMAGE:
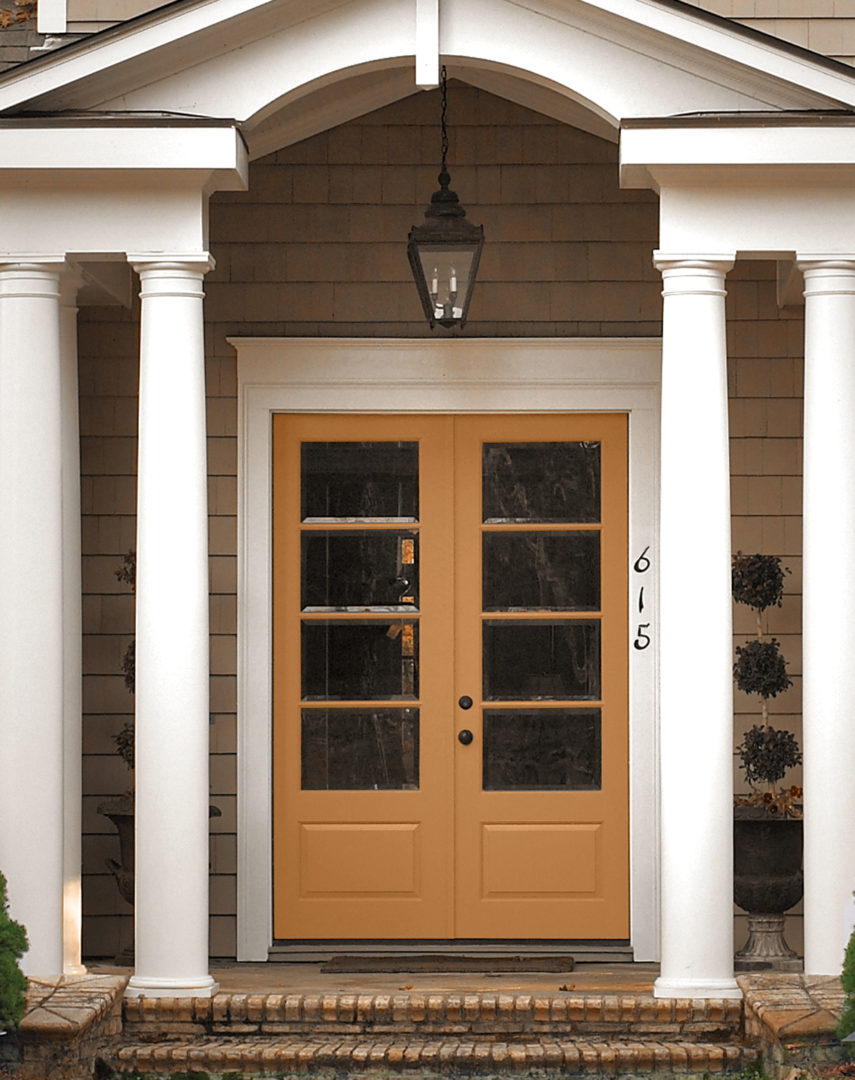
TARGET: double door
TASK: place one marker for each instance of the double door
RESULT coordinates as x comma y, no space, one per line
450,676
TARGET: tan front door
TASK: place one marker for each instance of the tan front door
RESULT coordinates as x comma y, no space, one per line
450,676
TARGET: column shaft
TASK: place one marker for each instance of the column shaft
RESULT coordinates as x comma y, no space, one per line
696,725
31,607
828,628
72,629
172,718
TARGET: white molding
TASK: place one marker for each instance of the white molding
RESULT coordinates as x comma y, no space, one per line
427,44
51,17
367,375
631,57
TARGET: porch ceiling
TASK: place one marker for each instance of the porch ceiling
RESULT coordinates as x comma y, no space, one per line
285,69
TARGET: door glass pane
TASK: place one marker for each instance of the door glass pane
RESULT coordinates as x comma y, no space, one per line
359,660
541,482
359,481
360,749
541,571
359,570
542,748
541,661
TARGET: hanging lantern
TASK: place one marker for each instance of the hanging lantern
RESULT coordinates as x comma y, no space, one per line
445,251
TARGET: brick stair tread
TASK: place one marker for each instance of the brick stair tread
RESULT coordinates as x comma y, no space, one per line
463,1054
426,1011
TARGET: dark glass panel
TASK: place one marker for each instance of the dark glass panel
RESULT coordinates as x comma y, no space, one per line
359,570
542,748
356,660
359,749
541,661
359,480
541,482
545,571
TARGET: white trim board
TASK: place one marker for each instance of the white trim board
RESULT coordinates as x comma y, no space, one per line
384,375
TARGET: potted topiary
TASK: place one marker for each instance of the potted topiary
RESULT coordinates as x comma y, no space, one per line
767,819
13,984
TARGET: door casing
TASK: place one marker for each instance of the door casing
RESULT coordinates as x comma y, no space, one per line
369,375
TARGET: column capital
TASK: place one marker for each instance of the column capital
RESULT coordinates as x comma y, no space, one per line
38,277
719,263
827,275
193,262
18,260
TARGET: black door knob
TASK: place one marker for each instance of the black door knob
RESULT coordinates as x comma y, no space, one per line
465,736
465,702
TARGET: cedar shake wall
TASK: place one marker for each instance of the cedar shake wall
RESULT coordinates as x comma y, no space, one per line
317,247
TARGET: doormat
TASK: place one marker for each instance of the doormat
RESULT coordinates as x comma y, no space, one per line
344,965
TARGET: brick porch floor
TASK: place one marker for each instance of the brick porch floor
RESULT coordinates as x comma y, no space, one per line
293,1020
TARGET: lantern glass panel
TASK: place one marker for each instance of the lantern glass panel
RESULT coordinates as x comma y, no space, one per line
448,277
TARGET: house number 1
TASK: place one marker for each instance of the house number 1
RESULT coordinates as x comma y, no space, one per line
641,566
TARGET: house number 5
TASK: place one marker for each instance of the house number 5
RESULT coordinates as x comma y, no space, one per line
641,565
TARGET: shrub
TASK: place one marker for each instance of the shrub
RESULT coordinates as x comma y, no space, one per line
13,984
846,1023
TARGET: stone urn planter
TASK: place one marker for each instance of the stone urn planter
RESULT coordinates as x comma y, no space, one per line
121,812
767,881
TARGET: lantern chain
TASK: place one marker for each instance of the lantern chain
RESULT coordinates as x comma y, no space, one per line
444,100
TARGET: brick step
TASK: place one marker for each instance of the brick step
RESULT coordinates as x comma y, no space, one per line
513,1015
391,1055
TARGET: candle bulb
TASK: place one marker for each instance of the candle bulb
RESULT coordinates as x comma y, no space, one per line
453,282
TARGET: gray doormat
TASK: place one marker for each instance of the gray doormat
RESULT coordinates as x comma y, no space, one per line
445,963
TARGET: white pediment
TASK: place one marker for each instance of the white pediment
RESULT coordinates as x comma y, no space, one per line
285,69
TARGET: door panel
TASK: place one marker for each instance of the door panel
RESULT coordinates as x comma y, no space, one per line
542,790
420,561
362,788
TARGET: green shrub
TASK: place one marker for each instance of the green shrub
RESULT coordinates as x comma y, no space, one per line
846,1023
13,984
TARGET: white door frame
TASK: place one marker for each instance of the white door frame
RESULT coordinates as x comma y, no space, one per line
450,375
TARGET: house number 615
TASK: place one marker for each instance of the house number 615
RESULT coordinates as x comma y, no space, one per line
641,565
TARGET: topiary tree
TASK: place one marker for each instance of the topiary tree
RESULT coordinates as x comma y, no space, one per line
13,984
765,753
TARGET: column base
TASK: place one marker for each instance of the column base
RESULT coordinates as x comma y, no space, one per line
696,988
200,986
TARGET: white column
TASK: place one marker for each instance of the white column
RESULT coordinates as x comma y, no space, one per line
72,628
171,905
696,717
31,607
828,627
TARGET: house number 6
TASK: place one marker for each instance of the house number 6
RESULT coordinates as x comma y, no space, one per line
641,565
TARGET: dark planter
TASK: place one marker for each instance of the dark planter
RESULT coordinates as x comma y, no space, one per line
767,881
121,812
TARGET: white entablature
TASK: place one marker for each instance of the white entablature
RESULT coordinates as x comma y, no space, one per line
285,69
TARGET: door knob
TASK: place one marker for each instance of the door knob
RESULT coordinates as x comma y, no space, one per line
465,736
465,702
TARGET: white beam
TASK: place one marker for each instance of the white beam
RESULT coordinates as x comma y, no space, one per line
427,44
52,17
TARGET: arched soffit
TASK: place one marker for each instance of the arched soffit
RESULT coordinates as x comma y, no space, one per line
344,96
287,68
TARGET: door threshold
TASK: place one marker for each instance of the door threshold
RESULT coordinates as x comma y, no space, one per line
316,952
